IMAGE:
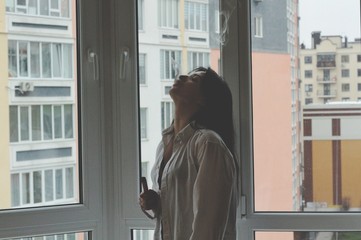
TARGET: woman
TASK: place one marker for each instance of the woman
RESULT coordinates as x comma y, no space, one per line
195,174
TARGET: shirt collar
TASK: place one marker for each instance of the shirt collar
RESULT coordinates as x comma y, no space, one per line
184,134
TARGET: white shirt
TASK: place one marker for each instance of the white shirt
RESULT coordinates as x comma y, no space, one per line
198,187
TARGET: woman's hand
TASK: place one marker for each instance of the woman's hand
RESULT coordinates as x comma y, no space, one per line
149,200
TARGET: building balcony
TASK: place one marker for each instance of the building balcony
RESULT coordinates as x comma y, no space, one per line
324,80
326,93
326,64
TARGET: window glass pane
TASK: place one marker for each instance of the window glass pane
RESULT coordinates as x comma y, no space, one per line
142,234
300,66
185,35
24,123
69,178
36,122
37,187
13,66
39,153
64,236
14,133
57,60
58,122
333,235
49,185
47,122
59,183
35,59
23,59
46,60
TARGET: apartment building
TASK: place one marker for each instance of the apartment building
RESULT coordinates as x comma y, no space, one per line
39,152
332,140
275,81
330,69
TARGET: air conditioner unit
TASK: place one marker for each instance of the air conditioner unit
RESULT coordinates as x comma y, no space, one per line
26,86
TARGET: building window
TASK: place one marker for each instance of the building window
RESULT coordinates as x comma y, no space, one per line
258,27
345,73
308,87
359,58
166,90
196,16
170,64
345,87
359,87
142,68
308,73
43,187
53,8
40,60
41,122
167,110
197,59
359,72
143,123
308,101
216,21
345,58
140,14
308,59
169,13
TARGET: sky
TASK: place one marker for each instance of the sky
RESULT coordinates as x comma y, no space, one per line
331,17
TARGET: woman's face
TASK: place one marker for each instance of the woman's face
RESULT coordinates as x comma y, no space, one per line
186,88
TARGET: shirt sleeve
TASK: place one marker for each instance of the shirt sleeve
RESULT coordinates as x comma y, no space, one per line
212,192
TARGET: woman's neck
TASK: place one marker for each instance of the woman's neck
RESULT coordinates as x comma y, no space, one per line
183,116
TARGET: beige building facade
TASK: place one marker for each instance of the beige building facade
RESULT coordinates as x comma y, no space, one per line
330,70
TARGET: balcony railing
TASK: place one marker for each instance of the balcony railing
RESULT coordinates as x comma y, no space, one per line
326,64
326,80
326,93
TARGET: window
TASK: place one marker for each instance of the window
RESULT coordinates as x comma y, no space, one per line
308,87
258,27
196,16
345,58
43,187
169,13
143,123
308,73
140,14
345,73
308,59
308,101
41,122
358,86
196,59
142,69
52,8
216,22
170,64
55,59
359,72
345,87
167,113
358,58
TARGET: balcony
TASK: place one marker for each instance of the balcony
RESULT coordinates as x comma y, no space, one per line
326,93
326,64
324,80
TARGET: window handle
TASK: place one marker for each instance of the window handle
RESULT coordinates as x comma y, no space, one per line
124,58
93,58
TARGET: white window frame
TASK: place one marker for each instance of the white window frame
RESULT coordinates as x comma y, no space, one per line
111,148
258,26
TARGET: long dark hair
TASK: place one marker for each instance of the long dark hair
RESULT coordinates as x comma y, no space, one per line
216,111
